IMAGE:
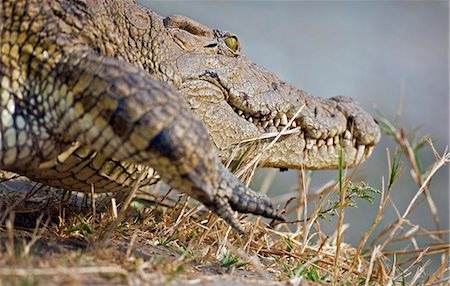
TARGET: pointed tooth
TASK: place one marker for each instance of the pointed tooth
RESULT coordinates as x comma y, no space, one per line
284,120
294,124
243,116
333,132
354,141
240,112
310,143
272,129
277,121
320,143
360,153
336,140
265,124
346,143
250,119
330,141
369,150
271,122
347,134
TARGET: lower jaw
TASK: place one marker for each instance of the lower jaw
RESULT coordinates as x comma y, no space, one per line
295,153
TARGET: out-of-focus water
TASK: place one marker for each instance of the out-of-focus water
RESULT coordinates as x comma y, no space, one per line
382,53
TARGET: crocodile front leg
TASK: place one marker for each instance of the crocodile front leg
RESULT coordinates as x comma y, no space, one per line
118,110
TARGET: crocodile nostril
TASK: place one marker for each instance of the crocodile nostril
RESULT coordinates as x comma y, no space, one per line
376,121
213,45
350,122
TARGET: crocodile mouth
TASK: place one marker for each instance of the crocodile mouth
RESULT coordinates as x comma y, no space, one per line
267,123
272,125
241,113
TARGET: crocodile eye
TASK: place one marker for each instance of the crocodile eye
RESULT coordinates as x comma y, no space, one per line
232,42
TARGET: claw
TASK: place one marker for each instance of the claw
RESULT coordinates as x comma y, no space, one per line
232,195
223,209
245,200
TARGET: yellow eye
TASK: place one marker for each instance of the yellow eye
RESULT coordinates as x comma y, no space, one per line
233,43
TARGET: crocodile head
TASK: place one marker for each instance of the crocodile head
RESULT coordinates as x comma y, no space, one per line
239,100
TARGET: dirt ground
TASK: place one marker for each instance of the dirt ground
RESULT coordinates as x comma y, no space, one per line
58,261
43,250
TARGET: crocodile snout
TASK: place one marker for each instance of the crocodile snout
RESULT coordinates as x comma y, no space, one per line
314,137
363,126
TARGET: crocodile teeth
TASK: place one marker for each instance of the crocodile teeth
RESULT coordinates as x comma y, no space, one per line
250,119
265,124
284,120
272,129
354,141
347,134
294,124
346,143
277,121
336,140
310,143
330,141
360,153
320,143
240,112
333,132
369,150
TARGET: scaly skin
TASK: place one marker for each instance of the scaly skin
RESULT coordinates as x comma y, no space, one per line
95,92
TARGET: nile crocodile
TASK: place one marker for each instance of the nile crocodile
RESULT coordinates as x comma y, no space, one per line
95,92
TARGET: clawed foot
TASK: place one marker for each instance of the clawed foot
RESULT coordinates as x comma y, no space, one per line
234,196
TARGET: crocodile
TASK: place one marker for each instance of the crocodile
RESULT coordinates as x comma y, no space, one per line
98,93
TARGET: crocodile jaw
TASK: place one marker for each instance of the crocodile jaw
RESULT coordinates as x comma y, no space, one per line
294,152
239,100
236,113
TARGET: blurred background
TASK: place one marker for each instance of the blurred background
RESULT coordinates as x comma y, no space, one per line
389,55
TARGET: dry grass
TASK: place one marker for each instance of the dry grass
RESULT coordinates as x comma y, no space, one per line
169,239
